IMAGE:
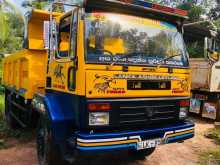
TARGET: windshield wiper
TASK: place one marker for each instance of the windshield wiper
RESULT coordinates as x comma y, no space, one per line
167,58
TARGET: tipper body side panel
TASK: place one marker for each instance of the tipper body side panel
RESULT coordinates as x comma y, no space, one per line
25,72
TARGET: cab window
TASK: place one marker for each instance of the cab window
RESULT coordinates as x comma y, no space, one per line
64,39
67,37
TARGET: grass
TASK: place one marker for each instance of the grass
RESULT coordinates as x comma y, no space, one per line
6,132
212,156
213,133
1,106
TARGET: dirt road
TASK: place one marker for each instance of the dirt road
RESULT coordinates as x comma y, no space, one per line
173,154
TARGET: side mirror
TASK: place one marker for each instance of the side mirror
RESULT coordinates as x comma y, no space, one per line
54,39
210,49
209,45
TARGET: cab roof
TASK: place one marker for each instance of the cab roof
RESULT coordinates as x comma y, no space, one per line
138,6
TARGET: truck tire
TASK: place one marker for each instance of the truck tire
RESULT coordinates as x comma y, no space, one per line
47,152
11,122
141,154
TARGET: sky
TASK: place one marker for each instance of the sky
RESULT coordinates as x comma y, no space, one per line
17,3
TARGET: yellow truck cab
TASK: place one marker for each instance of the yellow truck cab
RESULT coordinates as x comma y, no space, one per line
109,75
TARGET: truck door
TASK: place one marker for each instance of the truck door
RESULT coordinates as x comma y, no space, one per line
63,57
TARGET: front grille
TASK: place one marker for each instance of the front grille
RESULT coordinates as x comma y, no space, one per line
147,113
140,113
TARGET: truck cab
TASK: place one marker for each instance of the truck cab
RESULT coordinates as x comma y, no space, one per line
116,78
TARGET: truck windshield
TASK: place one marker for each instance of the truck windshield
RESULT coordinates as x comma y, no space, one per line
124,39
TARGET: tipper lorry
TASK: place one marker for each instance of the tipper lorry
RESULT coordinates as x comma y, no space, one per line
205,72
107,76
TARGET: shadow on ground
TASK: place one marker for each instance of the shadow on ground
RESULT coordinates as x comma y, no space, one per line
113,159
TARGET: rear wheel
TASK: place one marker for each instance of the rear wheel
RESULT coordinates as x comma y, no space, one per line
12,123
47,152
141,154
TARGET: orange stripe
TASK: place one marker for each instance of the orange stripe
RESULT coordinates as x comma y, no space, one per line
180,133
107,143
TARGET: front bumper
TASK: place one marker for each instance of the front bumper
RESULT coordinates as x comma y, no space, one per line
127,140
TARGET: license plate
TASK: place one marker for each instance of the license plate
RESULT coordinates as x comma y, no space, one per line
148,144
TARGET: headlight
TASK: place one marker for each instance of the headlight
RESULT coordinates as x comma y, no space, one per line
183,113
98,118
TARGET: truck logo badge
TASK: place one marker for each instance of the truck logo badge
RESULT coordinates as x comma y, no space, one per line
103,83
150,112
58,73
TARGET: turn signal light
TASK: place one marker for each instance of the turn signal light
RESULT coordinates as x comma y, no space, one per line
184,103
99,106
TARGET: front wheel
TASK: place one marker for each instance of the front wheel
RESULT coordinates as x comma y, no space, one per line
141,154
47,152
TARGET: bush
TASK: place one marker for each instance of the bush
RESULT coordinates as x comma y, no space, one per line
1,107
6,132
214,134
2,90
211,157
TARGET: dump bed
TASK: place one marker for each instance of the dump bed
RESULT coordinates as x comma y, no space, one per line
200,73
205,76
25,72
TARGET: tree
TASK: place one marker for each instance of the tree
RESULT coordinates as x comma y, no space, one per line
4,27
194,11
11,28
36,4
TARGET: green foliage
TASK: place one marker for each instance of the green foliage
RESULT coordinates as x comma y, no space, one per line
58,8
11,28
196,49
214,13
210,157
194,11
39,5
1,106
6,132
217,23
4,27
214,134
36,4
2,144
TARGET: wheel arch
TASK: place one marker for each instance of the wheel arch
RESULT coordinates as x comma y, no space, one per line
59,112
